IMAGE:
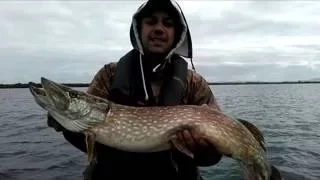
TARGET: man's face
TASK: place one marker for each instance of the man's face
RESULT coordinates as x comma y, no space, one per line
157,32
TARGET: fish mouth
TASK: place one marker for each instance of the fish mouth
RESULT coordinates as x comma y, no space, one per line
39,95
36,90
55,94
50,95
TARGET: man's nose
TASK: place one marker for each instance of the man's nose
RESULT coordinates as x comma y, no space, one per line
159,28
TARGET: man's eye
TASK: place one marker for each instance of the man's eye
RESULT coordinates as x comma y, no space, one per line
168,23
151,21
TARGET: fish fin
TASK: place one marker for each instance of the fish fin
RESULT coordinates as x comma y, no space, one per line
255,131
90,144
87,173
181,148
275,174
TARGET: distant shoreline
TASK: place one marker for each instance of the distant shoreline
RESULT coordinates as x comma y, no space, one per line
22,85
253,82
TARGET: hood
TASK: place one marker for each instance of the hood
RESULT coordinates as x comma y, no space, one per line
183,46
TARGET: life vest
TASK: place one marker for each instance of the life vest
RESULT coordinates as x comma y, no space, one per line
128,86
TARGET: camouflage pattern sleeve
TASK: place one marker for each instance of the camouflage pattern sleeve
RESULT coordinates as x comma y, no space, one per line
100,85
199,91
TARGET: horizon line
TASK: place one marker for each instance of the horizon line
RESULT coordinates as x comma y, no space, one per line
26,85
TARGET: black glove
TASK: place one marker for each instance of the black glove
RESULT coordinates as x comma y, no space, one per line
54,124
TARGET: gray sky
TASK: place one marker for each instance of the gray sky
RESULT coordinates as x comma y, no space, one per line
243,40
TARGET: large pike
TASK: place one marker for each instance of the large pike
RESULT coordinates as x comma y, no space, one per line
151,129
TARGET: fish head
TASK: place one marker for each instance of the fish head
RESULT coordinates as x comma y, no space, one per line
72,103
75,110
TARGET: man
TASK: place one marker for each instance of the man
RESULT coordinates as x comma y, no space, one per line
153,73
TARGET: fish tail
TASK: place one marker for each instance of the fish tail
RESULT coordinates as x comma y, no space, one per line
264,172
256,172
251,172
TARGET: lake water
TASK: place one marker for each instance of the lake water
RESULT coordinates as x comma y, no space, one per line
288,115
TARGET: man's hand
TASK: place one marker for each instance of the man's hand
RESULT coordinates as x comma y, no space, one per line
205,153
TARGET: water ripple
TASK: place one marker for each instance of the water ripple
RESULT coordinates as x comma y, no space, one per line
287,115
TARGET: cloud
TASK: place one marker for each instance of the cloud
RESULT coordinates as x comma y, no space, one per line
233,40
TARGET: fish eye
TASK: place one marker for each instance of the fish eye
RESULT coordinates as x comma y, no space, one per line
73,94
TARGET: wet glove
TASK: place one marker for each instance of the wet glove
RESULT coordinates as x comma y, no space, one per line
54,124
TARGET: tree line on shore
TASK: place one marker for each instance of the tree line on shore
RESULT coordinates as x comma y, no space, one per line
23,85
